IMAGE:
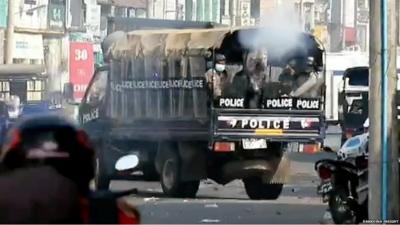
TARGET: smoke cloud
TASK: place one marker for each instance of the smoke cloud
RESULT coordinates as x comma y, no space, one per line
279,32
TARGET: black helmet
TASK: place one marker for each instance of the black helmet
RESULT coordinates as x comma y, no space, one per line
219,57
50,140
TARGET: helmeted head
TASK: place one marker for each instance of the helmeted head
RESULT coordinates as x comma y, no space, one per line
54,141
256,61
220,62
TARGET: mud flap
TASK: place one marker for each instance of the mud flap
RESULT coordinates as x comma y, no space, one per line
193,157
282,173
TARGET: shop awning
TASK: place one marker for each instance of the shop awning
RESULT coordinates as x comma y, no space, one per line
19,69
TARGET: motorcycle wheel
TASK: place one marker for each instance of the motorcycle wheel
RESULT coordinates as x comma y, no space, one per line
342,212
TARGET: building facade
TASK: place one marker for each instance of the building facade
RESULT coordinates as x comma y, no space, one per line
58,32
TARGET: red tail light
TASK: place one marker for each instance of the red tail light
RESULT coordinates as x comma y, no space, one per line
15,139
324,173
224,146
85,211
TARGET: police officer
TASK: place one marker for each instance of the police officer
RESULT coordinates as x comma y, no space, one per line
217,77
248,83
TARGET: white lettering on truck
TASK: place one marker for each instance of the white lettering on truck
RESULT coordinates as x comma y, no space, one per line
94,114
231,102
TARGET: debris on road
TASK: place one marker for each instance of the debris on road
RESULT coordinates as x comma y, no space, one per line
294,190
154,190
210,221
278,213
248,209
152,199
211,206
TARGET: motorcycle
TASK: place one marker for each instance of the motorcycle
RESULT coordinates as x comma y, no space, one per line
344,181
51,143
105,207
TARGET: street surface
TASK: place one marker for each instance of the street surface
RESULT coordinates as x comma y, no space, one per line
216,204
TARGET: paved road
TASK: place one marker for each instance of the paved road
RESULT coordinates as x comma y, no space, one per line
298,203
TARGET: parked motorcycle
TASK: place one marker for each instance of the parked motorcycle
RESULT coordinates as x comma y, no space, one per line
344,182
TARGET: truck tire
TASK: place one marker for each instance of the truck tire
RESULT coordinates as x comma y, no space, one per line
103,173
257,190
170,178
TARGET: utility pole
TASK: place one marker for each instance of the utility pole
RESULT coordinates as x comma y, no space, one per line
10,32
383,151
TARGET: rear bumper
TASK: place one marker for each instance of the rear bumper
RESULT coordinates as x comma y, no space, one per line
276,126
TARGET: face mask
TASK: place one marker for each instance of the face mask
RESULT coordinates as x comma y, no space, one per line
219,67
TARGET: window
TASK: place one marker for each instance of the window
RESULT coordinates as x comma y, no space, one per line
35,90
4,90
97,90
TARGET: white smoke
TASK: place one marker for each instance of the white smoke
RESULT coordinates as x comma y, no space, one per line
279,31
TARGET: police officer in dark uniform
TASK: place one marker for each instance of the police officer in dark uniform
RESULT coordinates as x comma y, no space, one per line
248,83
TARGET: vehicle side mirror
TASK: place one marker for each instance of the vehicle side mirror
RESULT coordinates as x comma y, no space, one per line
126,163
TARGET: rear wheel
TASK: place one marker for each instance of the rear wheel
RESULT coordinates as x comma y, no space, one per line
342,212
170,178
257,190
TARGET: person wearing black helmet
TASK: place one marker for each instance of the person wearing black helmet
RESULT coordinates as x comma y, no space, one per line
248,83
47,164
217,77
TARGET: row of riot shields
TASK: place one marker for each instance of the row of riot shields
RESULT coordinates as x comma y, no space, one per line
156,88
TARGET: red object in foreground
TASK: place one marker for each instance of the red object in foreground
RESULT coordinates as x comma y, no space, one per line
85,215
15,139
83,139
127,214
124,218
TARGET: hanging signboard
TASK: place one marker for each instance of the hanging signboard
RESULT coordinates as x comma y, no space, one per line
56,15
245,13
81,67
93,15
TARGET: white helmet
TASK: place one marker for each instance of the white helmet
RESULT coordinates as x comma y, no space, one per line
366,123
353,147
